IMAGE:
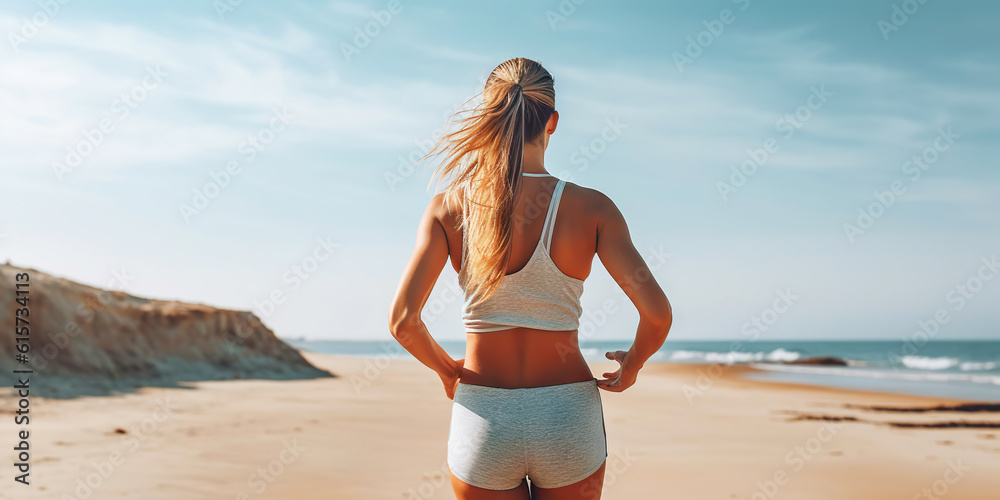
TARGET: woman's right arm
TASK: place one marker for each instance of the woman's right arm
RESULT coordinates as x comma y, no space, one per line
629,270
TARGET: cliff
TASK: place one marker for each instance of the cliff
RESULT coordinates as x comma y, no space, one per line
85,340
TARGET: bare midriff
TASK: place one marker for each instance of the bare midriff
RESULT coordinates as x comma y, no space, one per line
524,357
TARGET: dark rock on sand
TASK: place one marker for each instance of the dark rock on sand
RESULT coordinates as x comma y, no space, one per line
822,360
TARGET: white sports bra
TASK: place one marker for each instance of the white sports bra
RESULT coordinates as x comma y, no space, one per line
538,296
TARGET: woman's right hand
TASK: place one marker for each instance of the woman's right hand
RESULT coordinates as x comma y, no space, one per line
451,379
623,377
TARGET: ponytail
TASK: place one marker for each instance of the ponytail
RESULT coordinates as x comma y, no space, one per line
486,156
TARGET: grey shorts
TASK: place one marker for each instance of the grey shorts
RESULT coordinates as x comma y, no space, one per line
554,435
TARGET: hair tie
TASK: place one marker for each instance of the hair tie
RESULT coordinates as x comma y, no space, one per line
518,86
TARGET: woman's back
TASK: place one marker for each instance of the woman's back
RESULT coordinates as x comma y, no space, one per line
526,405
574,237
526,356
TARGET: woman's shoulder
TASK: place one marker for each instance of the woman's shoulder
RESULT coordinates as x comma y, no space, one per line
587,199
444,208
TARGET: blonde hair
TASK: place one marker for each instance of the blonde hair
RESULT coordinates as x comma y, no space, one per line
486,156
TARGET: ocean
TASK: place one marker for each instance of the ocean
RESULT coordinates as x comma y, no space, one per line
955,369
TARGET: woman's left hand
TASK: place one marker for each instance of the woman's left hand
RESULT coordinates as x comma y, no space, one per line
623,377
450,380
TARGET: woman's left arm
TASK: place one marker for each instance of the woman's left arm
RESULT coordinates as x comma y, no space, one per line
419,277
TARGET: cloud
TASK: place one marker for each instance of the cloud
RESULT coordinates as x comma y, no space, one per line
973,193
352,120
221,85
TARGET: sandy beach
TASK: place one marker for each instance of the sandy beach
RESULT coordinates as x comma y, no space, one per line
378,430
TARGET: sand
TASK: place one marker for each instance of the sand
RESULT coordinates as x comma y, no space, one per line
379,430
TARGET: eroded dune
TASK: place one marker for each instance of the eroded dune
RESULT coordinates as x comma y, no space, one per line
85,340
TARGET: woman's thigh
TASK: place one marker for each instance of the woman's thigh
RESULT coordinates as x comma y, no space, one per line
587,489
464,491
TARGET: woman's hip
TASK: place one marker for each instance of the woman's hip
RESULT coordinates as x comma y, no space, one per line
552,434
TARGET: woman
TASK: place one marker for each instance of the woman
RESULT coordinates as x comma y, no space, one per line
526,405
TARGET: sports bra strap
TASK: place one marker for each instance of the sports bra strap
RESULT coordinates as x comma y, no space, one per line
550,216
465,204
549,224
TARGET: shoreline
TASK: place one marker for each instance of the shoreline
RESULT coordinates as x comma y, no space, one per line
799,373
379,430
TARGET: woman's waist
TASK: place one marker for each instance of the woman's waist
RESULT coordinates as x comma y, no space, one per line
523,357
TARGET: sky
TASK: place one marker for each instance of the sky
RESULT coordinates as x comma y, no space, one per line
790,170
